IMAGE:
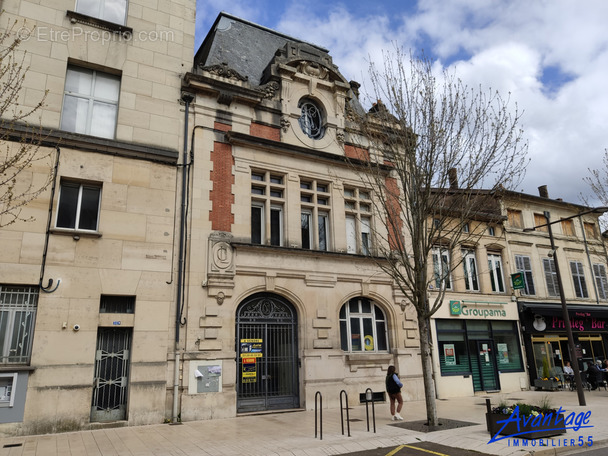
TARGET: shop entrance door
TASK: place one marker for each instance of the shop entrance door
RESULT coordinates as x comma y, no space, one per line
487,371
266,345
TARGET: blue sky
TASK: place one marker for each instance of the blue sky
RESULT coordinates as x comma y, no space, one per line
550,55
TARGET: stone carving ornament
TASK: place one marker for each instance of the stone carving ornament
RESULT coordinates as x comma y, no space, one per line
224,71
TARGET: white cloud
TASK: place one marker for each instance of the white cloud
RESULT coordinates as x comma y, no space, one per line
504,45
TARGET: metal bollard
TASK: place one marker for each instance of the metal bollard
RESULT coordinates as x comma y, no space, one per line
342,414
369,396
320,396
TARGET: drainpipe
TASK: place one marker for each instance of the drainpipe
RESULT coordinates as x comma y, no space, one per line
48,288
187,98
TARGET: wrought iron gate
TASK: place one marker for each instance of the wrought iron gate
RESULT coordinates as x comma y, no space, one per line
272,381
111,374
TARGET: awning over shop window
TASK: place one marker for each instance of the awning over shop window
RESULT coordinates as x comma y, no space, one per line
555,310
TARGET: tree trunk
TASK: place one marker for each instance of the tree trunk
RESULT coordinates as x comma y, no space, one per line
424,326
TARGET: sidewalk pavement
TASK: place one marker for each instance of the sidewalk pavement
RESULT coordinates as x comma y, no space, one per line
283,434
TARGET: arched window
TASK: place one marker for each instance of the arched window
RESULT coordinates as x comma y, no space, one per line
311,121
363,327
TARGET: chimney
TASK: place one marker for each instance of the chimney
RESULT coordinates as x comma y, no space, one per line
354,85
453,178
543,192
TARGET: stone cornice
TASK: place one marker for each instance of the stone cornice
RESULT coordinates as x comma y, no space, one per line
256,142
58,138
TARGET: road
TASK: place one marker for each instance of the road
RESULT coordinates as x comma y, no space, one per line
420,449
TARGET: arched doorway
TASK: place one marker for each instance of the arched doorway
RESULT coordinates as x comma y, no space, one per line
266,346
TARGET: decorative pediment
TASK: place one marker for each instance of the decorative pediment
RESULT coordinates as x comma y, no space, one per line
224,71
306,59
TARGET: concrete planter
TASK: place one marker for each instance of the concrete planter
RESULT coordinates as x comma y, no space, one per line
547,385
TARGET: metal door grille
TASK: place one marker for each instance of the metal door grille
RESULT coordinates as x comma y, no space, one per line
273,320
111,374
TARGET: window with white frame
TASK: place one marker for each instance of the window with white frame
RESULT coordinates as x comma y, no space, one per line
18,305
358,208
578,278
551,276
8,387
78,207
363,327
524,265
599,273
90,102
469,263
496,275
108,10
267,203
315,209
441,268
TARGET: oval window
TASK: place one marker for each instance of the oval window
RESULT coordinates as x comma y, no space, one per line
311,120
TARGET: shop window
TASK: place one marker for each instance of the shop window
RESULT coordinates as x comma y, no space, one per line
8,387
456,338
363,327
17,316
578,277
108,10
508,349
470,270
441,268
496,275
78,207
90,102
453,353
551,276
599,273
524,265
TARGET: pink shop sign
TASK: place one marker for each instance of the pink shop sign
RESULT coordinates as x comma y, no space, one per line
580,324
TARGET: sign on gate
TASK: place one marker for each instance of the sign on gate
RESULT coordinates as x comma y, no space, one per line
251,349
249,370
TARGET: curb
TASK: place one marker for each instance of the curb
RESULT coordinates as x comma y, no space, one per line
564,450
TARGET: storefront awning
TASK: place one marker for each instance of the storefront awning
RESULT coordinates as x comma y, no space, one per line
555,310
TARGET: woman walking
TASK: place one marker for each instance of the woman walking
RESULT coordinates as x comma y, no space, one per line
393,388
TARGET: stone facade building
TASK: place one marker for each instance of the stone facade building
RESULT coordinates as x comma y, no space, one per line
580,253
281,227
87,288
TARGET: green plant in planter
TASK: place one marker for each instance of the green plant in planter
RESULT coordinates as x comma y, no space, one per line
545,368
545,405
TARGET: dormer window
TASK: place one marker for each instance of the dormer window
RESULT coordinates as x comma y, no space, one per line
311,120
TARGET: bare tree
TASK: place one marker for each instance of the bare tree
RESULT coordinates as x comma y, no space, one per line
598,182
427,151
20,144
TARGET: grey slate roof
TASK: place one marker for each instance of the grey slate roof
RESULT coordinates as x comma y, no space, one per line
244,46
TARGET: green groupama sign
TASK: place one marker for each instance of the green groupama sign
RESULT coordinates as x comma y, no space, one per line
455,307
517,280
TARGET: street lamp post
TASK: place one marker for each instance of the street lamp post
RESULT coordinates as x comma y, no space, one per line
566,317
